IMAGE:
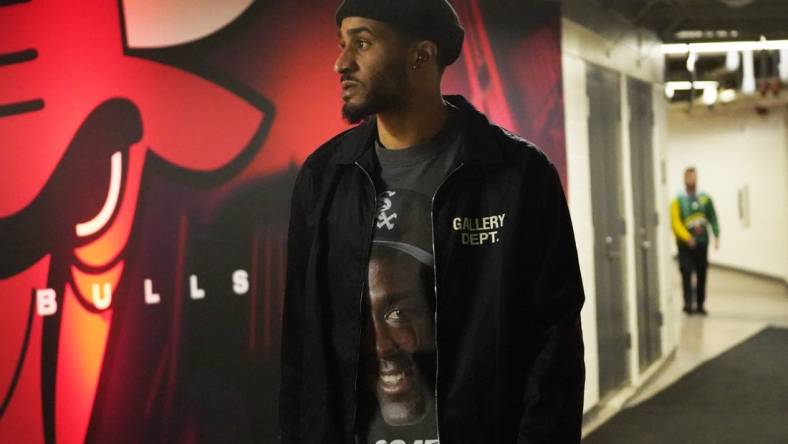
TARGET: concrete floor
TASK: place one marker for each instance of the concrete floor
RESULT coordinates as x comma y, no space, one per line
739,306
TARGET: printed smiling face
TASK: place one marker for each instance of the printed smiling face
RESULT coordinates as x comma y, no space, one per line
399,334
372,65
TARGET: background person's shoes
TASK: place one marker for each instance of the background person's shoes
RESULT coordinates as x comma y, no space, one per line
687,310
702,311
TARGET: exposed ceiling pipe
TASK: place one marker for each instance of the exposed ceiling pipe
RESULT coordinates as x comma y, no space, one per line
748,74
736,3
783,70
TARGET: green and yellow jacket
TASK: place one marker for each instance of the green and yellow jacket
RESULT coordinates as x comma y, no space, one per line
690,215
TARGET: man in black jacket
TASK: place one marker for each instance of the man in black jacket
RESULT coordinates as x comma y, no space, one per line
433,289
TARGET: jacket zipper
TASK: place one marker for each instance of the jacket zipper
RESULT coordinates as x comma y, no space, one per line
435,287
363,287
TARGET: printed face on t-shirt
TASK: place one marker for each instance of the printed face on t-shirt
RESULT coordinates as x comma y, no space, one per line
399,328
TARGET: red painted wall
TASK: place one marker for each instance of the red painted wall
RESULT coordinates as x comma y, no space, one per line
144,196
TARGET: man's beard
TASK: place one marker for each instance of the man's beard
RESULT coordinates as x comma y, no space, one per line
386,90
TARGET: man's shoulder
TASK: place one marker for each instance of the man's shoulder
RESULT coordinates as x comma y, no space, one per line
516,145
324,153
704,198
511,145
316,166
520,153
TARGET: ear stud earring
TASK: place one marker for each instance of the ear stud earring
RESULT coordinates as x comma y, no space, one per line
419,59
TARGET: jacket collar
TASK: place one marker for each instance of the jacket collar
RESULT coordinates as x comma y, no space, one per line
480,146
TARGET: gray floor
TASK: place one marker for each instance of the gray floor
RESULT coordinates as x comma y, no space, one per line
739,306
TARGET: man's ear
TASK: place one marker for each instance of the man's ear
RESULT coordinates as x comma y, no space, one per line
425,52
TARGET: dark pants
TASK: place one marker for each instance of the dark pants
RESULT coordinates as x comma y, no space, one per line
693,260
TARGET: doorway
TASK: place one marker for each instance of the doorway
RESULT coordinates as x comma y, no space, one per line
641,136
604,132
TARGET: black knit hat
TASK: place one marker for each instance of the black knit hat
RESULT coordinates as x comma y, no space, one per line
433,20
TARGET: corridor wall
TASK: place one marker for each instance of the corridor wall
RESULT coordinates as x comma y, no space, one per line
593,37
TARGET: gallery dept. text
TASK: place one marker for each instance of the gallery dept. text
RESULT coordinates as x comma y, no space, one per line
479,230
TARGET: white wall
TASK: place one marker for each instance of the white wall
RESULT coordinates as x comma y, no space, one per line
633,56
733,148
671,315
579,196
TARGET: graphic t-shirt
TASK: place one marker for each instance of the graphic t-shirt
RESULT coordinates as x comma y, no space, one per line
398,357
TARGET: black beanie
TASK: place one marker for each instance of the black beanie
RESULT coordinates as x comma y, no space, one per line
433,20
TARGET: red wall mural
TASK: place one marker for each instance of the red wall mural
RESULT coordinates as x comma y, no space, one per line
147,154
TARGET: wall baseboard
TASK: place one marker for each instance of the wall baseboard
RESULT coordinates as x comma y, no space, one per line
757,274
751,273
617,401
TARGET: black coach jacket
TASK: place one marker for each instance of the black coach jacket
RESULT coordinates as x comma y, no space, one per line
508,294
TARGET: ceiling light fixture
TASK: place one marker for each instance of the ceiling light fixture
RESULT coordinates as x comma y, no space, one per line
723,47
698,84
701,85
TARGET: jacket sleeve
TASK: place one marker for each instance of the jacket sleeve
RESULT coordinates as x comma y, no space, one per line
711,216
292,349
677,224
553,398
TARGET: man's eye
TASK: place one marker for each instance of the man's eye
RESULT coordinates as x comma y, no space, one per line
362,44
394,315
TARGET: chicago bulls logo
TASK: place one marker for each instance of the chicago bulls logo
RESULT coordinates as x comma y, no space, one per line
85,128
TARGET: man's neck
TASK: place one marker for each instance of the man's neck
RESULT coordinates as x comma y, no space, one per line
415,123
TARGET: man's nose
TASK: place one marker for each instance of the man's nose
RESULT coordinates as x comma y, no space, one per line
384,344
344,62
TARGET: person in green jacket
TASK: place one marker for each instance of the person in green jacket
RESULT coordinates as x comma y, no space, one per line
691,214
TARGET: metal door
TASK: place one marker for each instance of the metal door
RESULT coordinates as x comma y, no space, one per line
604,132
641,131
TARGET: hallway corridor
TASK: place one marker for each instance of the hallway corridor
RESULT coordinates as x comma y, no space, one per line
740,307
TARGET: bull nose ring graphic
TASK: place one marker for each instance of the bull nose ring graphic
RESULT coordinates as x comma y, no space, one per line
89,177
113,194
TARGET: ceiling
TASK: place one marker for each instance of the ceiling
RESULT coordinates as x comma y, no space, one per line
685,21
677,21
